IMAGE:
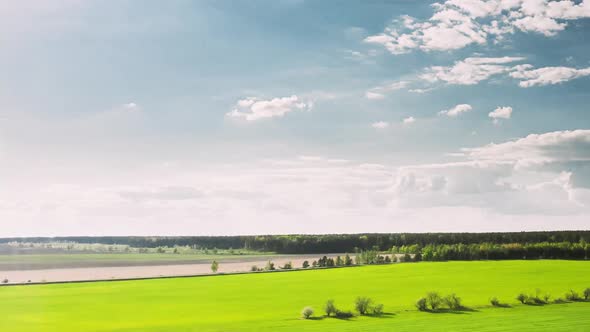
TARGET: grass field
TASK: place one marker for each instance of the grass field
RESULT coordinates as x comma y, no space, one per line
273,301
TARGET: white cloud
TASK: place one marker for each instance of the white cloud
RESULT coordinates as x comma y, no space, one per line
469,71
456,111
547,75
409,120
374,95
252,109
380,125
536,149
379,91
500,112
458,23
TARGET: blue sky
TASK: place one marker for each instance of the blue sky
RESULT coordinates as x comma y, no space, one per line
235,117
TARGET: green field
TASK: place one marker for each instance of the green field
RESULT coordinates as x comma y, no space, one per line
273,301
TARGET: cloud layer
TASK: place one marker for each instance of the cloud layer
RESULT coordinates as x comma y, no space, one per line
456,24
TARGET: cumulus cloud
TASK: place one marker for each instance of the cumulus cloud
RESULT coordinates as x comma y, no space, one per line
545,173
409,120
458,23
252,109
502,112
470,70
547,75
456,111
536,149
380,125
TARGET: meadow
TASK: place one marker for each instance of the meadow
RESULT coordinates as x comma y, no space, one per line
273,301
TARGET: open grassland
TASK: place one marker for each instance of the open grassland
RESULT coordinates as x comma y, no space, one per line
273,301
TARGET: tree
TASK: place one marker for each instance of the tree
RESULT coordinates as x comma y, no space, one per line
586,294
522,298
305,264
330,308
378,310
433,300
287,266
362,304
214,267
339,261
307,312
347,260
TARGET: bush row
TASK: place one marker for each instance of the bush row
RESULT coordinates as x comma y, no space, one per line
364,306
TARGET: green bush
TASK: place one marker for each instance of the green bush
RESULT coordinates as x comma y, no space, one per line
330,308
377,310
433,300
495,302
572,296
254,268
362,304
522,298
307,312
452,301
587,294
305,264
287,266
421,304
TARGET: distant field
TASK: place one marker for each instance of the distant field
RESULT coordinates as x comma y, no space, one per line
65,260
273,301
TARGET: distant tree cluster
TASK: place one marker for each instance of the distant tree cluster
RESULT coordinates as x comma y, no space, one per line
330,243
542,250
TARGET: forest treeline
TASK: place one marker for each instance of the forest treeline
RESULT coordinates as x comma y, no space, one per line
340,243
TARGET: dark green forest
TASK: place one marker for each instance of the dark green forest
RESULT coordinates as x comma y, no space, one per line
520,244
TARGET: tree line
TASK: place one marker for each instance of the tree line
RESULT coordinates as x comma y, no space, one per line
327,243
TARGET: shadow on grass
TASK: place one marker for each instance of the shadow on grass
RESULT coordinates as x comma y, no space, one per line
460,311
502,305
383,315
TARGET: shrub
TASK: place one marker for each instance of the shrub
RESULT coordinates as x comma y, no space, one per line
522,298
343,314
270,266
452,301
378,310
362,304
330,309
495,302
305,264
433,300
287,266
587,294
421,304
4,281
254,268
307,312
572,296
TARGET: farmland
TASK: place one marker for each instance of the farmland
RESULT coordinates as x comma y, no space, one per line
273,301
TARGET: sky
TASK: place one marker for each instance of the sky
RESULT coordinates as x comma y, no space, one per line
292,116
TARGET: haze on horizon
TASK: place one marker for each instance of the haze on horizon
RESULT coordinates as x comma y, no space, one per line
293,116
